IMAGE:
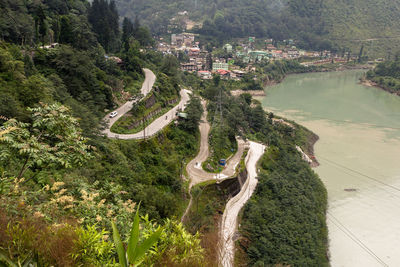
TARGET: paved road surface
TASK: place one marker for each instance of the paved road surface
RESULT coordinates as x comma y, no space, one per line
229,218
194,168
157,124
148,83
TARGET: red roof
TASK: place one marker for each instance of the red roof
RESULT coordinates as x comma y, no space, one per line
222,72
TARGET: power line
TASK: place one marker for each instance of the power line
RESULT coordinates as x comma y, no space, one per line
352,122
358,177
353,237
344,229
360,173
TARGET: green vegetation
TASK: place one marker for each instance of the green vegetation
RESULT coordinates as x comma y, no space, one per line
52,139
155,102
386,75
209,200
317,24
285,219
135,252
277,70
290,202
61,183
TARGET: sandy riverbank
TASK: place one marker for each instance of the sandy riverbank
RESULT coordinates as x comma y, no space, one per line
251,92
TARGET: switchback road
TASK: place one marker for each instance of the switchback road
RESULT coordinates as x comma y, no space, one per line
157,124
234,205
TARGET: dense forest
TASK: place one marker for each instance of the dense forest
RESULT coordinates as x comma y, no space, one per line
386,75
317,24
284,221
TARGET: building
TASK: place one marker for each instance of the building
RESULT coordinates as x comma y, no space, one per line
225,74
270,47
258,55
228,48
239,73
194,51
186,39
113,58
53,45
220,66
191,66
204,74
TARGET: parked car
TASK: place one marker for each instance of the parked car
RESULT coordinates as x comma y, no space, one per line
113,114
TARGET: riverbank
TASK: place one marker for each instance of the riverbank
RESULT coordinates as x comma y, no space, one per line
251,92
322,68
358,136
369,83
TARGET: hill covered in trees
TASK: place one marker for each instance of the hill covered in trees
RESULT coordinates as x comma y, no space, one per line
316,24
386,75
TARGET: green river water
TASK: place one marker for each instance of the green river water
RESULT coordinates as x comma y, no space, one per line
359,153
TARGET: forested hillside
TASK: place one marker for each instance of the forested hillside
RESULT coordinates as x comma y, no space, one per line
315,23
386,75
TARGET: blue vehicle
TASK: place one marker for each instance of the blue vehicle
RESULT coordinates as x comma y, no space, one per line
222,162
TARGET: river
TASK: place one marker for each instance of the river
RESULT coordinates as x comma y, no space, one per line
359,153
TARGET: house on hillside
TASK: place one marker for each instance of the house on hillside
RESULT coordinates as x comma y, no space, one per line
204,74
194,51
258,55
220,66
191,66
228,48
225,74
114,58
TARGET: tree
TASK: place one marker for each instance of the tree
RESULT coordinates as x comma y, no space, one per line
52,138
194,110
170,65
127,32
360,54
103,16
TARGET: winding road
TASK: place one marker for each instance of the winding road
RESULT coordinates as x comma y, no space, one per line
198,175
194,168
157,124
234,205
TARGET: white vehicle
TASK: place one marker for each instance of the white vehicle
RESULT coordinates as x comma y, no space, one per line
113,114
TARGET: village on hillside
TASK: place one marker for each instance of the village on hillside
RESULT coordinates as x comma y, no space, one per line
234,60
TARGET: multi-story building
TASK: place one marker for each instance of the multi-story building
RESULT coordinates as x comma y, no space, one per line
220,66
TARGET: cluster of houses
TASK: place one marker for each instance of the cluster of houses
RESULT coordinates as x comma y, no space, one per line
247,53
199,60
244,51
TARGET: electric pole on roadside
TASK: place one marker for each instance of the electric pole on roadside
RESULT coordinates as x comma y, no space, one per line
220,106
144,128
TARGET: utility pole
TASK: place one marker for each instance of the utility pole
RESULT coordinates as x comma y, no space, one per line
220,105
144,129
